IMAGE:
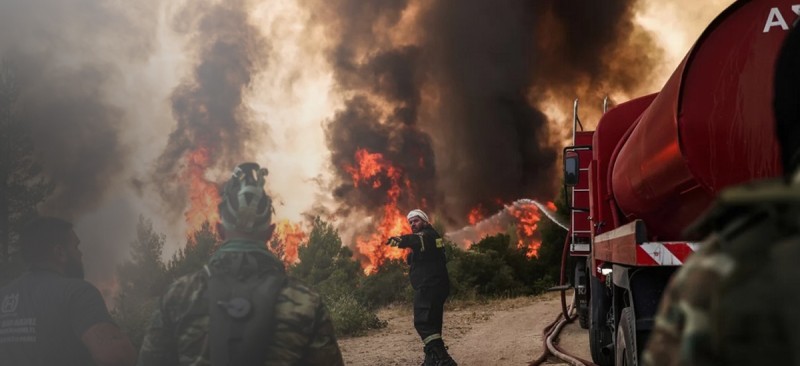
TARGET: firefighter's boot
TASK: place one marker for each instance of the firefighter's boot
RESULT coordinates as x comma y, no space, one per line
428,361
438,353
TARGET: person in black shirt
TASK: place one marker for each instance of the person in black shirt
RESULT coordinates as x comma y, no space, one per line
428,275
50,315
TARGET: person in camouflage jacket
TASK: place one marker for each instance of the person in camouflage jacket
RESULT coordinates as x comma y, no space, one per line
735,301
729,304
301,329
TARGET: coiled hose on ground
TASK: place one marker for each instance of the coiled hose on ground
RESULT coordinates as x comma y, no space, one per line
567,315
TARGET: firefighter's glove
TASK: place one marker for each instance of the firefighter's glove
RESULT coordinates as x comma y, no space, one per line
393,241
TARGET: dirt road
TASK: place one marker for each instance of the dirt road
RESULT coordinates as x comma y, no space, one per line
502,332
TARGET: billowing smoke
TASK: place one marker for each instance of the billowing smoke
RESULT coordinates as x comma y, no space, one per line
214,128
70,62
493,143
591,49
381,114
384,120
66,56
469,80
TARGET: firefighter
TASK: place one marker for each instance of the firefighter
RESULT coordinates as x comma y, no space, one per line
735,301
428,275
241,309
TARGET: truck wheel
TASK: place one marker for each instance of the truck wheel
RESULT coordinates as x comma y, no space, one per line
601,339
626,344
581,294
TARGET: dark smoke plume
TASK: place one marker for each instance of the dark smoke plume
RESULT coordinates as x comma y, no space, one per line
382,116
208,104
489,64
593,44
69,60
65,57
494,143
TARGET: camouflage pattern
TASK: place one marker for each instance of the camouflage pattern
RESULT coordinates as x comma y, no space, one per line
735,302
177,334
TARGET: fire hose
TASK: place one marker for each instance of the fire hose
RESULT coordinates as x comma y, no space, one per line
551,332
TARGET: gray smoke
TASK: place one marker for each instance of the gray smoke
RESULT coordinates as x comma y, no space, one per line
208,103
70,61
382,115
66,56
489,65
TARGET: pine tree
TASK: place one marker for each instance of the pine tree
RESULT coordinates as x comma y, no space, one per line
323,256
141,281
22,185
198,250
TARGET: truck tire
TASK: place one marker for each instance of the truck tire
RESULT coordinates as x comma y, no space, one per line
581,294
626,351
601,340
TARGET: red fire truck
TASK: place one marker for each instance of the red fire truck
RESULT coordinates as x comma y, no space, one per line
654,164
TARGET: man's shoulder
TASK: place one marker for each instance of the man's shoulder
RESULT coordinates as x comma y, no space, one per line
186,289
430,231
297,292
49,283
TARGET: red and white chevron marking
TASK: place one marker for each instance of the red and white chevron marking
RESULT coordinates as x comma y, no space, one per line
664,253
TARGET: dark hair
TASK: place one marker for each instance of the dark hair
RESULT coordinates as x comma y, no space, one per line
41,235
787,101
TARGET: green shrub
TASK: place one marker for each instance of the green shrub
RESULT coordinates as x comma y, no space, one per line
389,284
482,273
351,317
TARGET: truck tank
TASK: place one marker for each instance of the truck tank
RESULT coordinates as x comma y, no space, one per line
710,127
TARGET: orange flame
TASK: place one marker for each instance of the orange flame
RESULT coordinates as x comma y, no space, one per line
551,206
370,170
288,237
369,166
203,194
528,218
475,215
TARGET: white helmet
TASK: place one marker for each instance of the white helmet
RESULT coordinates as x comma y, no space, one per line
418,213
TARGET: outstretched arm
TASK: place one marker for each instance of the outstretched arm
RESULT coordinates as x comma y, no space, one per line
417,241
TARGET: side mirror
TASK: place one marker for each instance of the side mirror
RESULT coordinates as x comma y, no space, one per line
571,172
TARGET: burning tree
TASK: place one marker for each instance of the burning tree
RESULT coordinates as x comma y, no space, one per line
203,195
287,239
374,172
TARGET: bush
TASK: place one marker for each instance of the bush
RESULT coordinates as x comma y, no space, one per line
350,316
484,274
329,268
389,284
